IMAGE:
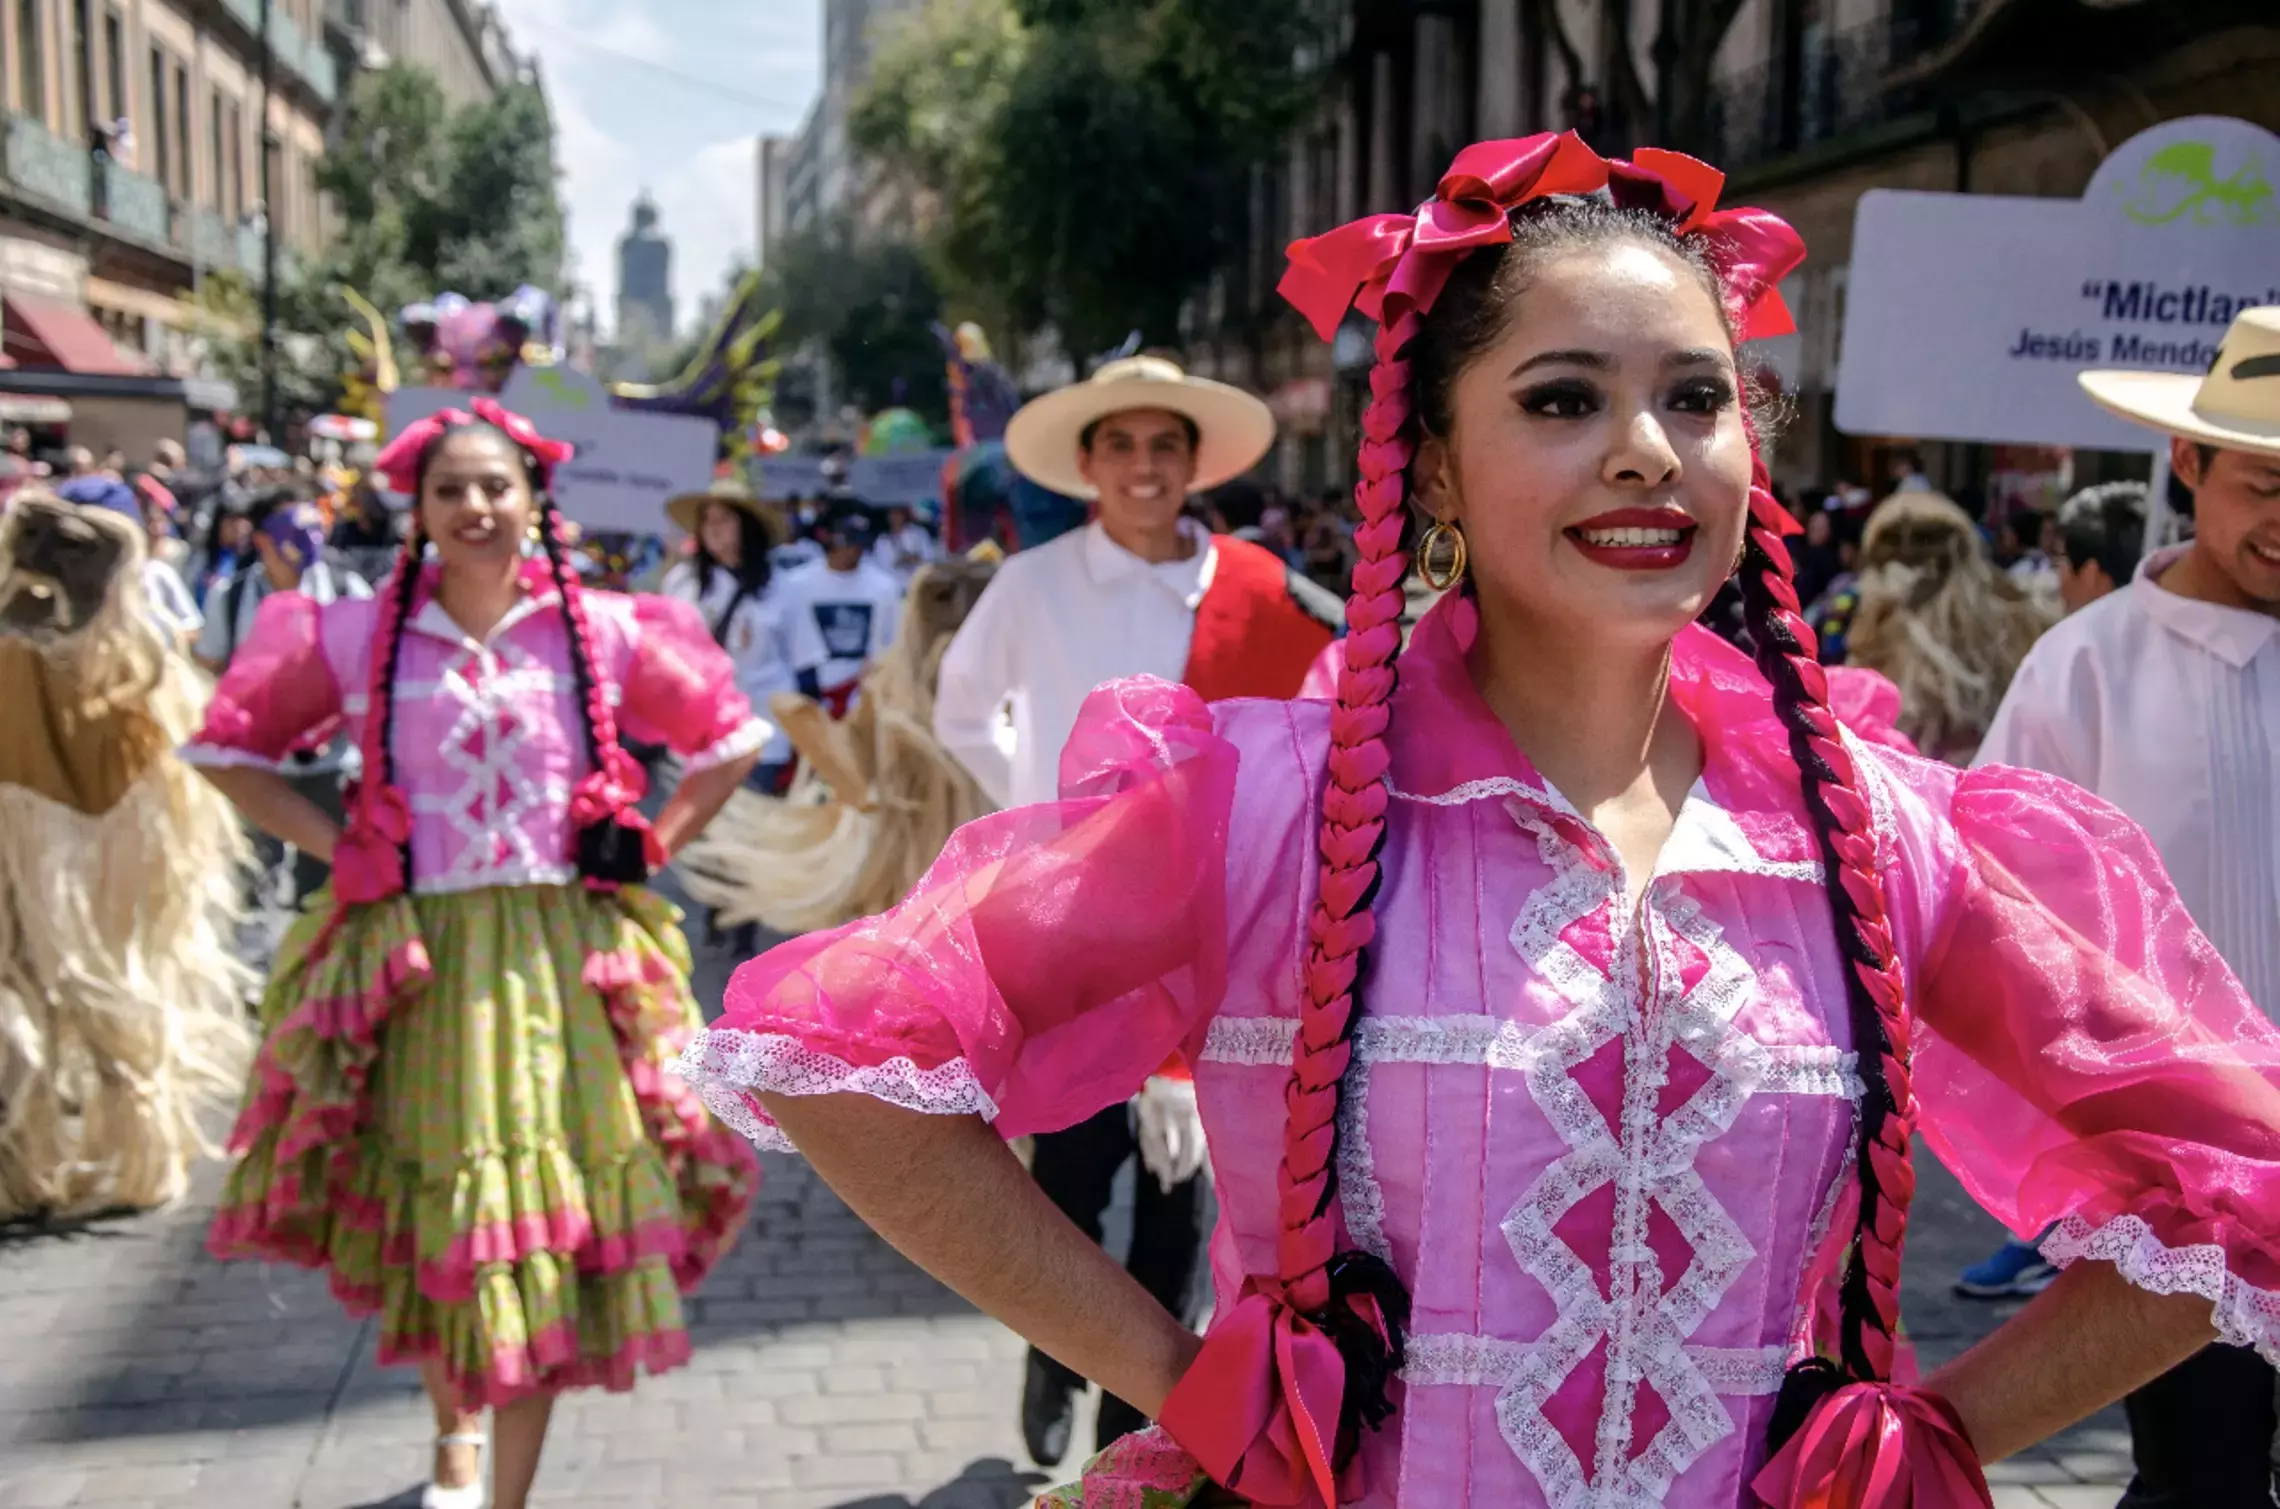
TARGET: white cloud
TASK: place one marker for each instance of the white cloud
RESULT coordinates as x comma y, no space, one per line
622,126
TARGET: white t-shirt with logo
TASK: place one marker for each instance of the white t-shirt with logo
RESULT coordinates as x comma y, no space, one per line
841,621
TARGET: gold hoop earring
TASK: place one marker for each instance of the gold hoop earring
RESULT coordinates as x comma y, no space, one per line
1454,572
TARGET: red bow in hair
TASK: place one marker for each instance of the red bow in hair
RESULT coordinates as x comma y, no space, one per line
399,461
1402,260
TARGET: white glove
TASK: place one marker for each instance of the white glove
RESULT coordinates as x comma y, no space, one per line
1171,1131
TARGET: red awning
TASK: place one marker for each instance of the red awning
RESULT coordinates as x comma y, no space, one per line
41,332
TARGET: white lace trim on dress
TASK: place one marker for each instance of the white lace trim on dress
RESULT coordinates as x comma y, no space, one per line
728,1066
2245,1315
749,737
222,757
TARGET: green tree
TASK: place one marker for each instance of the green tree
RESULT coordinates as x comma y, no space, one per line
429,199
871,304
1090,159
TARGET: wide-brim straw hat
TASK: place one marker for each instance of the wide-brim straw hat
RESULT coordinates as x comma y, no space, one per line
688,510
2236,407
1233,429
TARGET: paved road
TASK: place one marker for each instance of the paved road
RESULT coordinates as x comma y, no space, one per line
829,1372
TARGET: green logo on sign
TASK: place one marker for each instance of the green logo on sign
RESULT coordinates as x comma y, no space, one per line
2181,179
563,391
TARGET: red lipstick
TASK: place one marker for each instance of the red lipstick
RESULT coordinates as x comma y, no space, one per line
1635,539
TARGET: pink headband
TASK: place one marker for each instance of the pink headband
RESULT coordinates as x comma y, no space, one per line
399,463
1388,265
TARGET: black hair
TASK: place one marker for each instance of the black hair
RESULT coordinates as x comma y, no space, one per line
2104,525
754,542
1085,435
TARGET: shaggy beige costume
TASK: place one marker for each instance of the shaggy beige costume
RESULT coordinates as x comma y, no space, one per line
1940,622
121,1008
875,798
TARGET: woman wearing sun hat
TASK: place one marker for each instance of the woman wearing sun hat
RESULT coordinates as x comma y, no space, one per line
2164,698
730,579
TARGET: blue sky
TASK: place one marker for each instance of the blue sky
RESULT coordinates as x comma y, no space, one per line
670,96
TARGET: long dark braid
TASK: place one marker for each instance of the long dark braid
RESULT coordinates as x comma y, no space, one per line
1869,1293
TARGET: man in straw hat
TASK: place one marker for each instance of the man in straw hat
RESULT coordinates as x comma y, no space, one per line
2164,698
1143,589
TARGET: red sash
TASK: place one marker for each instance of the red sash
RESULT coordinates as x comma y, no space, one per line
1251,638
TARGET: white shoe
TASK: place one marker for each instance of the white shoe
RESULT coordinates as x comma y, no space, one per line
436,1496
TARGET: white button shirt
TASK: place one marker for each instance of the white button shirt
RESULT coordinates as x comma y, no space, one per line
2169,708
1054,623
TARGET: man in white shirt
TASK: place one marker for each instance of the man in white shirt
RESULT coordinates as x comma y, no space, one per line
843,610
905,544
1141,590
2164,698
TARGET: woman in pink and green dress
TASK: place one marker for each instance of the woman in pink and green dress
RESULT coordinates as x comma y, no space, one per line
461,1108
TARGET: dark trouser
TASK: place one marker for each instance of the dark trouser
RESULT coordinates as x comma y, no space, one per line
2202,1434
1075,1169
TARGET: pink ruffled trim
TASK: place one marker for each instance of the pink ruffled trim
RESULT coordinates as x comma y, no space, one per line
2243,1314
549,1363
729,1068
676,1116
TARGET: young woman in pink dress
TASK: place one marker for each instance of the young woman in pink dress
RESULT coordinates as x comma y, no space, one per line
1564,996
461,1109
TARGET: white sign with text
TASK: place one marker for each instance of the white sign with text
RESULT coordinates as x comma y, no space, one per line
629,461
1968,315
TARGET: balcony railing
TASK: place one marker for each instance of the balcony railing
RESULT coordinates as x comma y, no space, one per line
212,243
133,203
40,162
305,55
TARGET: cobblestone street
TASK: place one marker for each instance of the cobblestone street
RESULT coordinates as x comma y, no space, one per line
829,1372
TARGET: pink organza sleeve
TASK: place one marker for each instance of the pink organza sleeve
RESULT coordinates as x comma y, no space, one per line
278,695
680,690
2086,1063
1051,959
1321,683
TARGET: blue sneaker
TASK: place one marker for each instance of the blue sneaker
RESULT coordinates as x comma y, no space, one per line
2015,1272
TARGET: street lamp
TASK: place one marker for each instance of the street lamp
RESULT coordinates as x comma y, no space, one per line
268,243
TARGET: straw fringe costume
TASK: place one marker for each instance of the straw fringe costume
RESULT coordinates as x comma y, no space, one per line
121,1006
461,1109
876,797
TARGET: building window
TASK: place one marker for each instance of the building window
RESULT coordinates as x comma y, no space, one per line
182,159
221,199
81,44
162,132
115,63
234,148
31,61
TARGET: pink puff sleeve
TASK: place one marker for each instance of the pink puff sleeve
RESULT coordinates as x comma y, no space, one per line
1047,964
2086,1063
680,690
278,695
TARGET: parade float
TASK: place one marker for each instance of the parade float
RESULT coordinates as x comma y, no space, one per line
638,444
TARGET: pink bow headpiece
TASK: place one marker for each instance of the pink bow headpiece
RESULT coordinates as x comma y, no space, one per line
1388,265
399,461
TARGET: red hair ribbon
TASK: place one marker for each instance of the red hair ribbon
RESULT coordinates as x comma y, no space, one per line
1258,1408
1876,1446
399,461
